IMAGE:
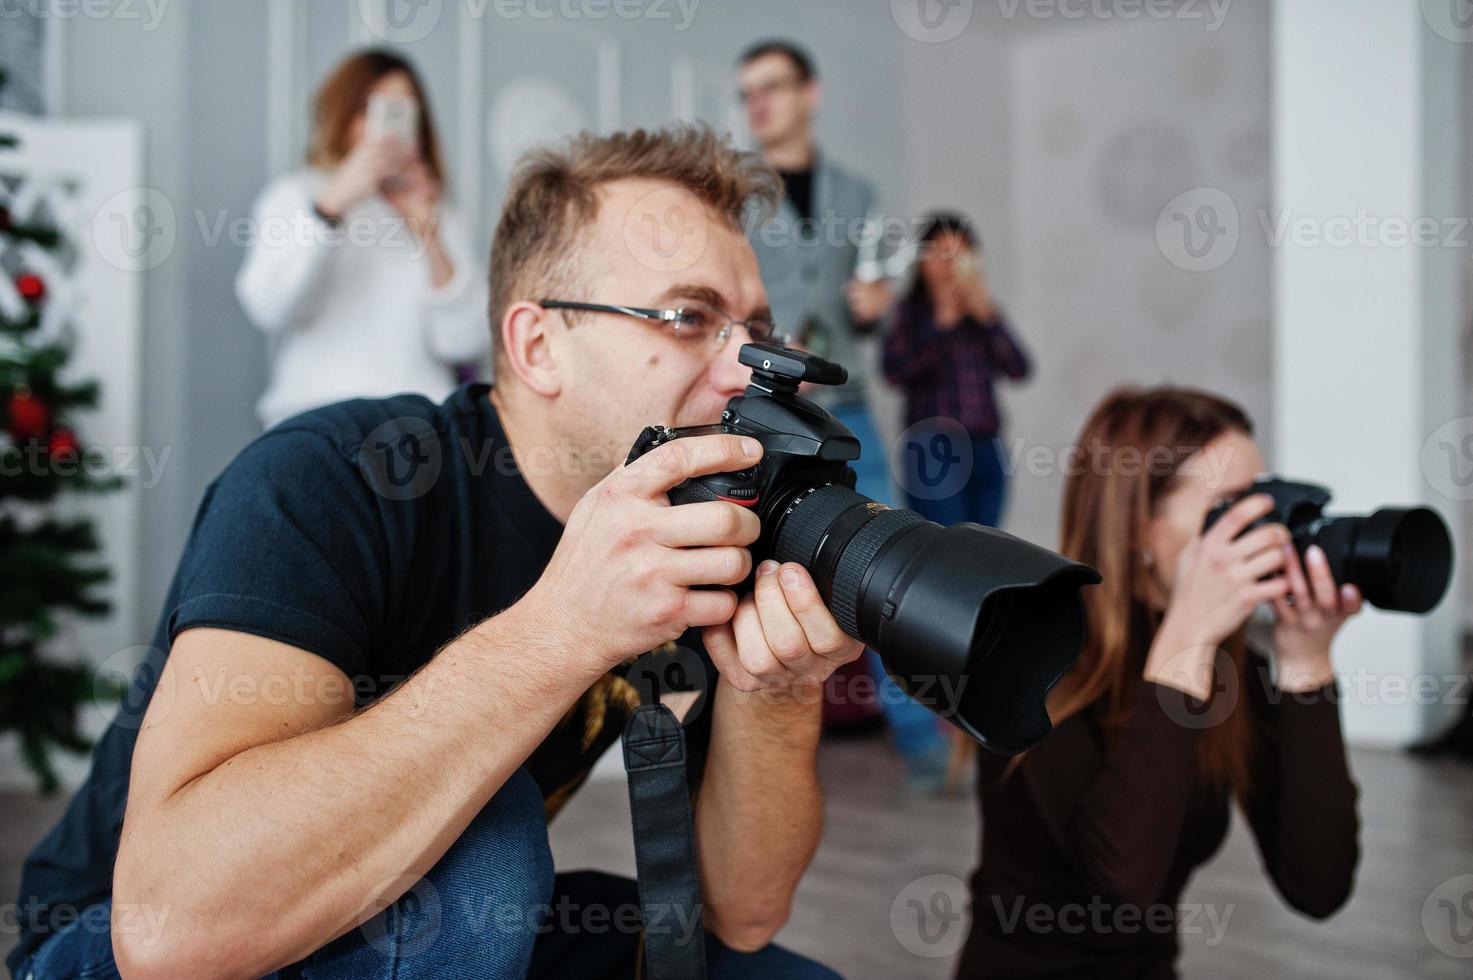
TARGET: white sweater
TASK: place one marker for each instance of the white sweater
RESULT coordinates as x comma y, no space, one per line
352,311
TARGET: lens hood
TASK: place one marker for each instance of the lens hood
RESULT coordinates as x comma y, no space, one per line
982,618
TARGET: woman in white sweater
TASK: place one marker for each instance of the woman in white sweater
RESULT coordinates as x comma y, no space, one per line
358,272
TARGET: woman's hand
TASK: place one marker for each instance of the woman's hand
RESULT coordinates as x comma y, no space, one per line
972,287
416,196
361,174
1308,617
1220,580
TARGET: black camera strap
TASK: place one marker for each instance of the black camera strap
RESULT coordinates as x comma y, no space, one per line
664,845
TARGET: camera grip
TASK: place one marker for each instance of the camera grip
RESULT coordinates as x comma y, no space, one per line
691,492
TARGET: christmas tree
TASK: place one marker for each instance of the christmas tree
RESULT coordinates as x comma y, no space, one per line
48,564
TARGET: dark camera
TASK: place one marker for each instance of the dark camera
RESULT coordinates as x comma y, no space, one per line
1401,558
993,618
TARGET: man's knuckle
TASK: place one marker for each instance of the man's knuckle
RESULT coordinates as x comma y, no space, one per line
613,489
630,535
789,646
731,522
738,561
664,609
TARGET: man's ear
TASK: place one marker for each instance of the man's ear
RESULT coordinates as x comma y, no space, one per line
814,92
527,349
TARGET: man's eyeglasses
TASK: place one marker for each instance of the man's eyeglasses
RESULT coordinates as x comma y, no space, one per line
692,323
766,89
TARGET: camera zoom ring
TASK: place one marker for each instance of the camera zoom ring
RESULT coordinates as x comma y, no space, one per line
857,558
811,517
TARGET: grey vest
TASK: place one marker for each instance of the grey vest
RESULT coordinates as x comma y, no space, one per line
805,265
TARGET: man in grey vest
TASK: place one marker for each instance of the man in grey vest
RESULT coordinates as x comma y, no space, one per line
810,249
819,261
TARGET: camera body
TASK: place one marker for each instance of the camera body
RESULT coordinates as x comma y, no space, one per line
1400,558
803,446
987,617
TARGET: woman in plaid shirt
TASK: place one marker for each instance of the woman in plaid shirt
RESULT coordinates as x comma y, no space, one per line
948,344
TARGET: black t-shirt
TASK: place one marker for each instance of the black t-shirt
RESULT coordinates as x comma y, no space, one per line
369,533
798,187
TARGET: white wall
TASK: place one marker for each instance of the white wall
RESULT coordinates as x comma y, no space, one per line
1367,358
1107,125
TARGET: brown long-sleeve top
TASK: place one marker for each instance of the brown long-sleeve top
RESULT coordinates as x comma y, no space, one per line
1086,847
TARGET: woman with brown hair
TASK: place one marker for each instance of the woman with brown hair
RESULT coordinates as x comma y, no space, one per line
358,271
1089,839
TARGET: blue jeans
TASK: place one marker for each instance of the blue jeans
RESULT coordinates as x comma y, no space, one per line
872,468
979,500
481,911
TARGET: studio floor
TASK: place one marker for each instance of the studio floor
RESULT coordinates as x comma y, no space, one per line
1417,834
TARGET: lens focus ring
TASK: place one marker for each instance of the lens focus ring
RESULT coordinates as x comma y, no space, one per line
857,558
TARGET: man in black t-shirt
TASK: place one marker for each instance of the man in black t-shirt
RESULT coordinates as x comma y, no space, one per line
402,633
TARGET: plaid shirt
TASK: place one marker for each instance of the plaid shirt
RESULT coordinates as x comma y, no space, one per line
949,373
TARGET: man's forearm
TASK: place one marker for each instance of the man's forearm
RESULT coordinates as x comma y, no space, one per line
760,810
331,820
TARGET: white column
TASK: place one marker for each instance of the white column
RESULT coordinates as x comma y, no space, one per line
1366,319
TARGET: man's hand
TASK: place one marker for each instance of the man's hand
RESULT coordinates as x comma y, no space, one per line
868,301
782,637
623,578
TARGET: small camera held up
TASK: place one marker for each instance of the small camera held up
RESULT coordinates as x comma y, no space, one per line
1400,558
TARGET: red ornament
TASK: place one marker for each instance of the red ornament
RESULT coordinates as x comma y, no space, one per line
30,286
63,443
28,416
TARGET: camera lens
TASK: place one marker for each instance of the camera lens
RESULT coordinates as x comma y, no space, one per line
973,622
1400,558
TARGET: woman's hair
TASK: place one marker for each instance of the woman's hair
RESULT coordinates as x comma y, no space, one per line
1131,452
938,224
344,95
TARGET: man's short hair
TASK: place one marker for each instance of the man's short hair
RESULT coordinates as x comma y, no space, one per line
552,202
801,59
